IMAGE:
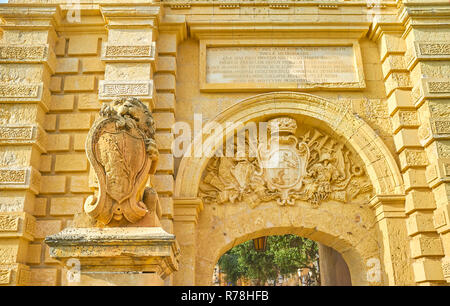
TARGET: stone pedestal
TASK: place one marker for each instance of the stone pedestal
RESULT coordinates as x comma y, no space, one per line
115,256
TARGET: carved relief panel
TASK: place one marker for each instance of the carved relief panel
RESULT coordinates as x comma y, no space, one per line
311,167
122,150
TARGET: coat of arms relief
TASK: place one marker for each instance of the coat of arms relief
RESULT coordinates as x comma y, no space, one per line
312,167
122,150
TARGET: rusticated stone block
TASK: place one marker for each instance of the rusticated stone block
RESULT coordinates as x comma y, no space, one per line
83,45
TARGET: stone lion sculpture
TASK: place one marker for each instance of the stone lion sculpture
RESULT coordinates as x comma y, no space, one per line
122,151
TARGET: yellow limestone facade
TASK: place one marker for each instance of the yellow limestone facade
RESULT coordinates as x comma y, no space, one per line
358,90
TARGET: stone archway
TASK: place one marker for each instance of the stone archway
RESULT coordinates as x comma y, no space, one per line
380,165
362,243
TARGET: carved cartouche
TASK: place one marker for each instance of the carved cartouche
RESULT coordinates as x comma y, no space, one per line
313,167
121,149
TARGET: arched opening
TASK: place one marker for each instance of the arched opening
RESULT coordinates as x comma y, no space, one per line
340,221
285,260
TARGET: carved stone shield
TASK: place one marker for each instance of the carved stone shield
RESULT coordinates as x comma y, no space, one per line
284,168
118,149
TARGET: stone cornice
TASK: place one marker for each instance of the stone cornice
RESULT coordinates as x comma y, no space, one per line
388,206
187,209
421,13
323,3
134,10
174,24
386,23
131,16
216,28
127,249
24,16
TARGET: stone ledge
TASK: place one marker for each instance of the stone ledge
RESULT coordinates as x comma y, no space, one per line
148,249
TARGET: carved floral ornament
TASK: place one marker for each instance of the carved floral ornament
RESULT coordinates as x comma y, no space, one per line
122,151
313,167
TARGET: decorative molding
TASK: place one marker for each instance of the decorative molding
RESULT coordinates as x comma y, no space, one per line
9,223
8,90
112,89
429,89
21,178
443,148
5,276
149,249
23,134
181,6
441,127
446,169
15,53
438,86
328,6
130,53
279,6
16,132
187,209
322,3
427,51
446,268
17,224
413,158
13,176
229,6
405,119
312,168
433,48
214,77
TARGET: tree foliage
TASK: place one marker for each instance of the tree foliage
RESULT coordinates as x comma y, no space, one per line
283,256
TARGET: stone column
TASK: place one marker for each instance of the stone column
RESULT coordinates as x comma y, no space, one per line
27,61
419,201
390,218
427,50
186,211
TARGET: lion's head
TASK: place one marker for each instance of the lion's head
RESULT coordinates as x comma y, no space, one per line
132,113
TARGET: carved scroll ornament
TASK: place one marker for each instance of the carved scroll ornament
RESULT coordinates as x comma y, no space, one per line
313,167
122,151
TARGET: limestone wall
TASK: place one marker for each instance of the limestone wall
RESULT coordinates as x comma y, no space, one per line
55,73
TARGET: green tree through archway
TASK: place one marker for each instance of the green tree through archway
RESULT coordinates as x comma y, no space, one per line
283,256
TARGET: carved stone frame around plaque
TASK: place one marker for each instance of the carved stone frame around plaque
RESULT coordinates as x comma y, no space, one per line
205,86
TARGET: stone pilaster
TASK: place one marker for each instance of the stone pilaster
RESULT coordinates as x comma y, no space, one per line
427,51
390,216
129,52
186,211
137,246
27,61
172,30
419,202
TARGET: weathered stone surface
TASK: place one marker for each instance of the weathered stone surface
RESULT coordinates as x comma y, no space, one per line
145,249
374,184
122,150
